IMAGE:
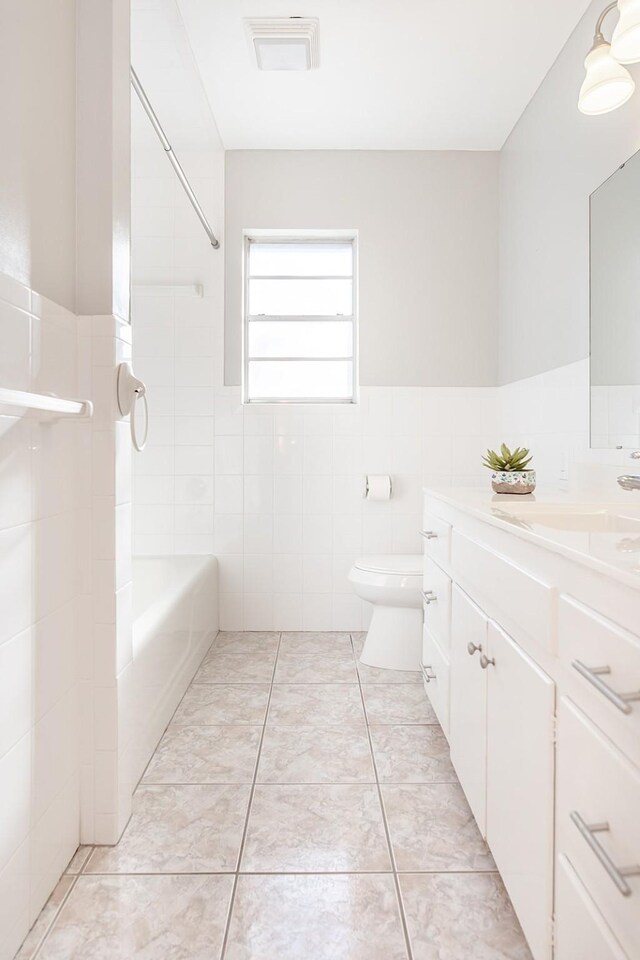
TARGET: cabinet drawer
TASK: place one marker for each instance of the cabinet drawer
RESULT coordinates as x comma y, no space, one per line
436,587
522,604
588,644
437,537
598,786
580,929
436,667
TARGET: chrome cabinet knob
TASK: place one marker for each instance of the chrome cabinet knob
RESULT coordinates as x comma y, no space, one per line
485,661
473,648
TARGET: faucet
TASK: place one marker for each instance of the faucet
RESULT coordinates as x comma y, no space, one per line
630,481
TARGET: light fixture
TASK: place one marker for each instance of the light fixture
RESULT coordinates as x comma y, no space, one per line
625,42
607,84
284,43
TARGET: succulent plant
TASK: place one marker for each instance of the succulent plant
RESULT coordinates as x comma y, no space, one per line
507,461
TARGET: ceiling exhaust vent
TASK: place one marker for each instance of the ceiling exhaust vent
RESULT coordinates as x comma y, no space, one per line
284,43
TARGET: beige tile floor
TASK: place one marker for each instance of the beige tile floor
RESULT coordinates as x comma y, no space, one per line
300,806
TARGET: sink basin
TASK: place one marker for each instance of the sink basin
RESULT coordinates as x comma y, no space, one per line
596,522
574,518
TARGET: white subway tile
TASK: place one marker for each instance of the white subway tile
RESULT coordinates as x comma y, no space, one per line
317,573
287,494
258,455
16,583
288,454
198,489
193,460
316,611
229,455
258,493
317,495
287,611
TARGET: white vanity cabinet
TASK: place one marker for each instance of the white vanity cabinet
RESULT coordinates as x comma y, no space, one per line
501,729
533,668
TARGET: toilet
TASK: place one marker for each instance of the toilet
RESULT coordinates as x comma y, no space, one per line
393,585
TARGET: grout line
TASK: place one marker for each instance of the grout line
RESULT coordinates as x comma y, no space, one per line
243,839
279,873
54,918
396,882
293,783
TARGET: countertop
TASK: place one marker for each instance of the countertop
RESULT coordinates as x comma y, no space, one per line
603,535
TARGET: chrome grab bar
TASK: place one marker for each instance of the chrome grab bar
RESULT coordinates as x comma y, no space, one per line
428,534
48,404
622,701
428,677
428,597
617,874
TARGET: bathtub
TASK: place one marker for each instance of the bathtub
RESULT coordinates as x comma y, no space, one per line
175,619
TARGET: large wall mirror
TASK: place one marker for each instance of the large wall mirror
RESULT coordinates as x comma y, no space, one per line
615,309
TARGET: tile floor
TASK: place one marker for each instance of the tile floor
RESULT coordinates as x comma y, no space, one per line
300,806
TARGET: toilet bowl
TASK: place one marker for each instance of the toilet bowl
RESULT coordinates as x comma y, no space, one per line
392,584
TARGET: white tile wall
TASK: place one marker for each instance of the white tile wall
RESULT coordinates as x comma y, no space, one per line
41,501
274,492
550,414
107,654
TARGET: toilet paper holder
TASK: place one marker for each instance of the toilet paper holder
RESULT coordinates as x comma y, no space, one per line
367,486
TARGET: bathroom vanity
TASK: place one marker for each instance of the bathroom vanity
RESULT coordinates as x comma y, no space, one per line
531,660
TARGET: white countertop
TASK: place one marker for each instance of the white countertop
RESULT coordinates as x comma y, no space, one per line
604,535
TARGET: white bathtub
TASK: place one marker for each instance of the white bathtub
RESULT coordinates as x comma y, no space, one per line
175,618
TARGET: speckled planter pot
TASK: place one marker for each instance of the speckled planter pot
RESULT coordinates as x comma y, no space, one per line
514,481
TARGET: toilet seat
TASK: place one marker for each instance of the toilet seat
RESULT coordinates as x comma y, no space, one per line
401,565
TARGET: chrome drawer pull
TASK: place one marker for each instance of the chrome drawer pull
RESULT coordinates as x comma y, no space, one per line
622,701
617,874
473,648
486,661
428,677
428,534
428,597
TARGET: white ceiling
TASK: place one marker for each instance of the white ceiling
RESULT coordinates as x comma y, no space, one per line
394,74
162,57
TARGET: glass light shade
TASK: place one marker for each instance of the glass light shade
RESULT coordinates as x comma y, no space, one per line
607,84
625,42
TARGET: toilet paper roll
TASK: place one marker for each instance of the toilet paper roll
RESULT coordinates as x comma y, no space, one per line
378,487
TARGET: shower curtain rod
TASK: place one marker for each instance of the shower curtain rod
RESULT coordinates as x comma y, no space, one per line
175,163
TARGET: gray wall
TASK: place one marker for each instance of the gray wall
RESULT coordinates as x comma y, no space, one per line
37,160
553,160
426,220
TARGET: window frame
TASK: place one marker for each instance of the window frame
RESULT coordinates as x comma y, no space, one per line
337,237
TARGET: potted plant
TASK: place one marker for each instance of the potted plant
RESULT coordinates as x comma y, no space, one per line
510,474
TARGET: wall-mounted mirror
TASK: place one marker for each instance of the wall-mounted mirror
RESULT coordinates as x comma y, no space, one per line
615,309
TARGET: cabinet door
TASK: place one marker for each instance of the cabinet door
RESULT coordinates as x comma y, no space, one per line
520,783
468,702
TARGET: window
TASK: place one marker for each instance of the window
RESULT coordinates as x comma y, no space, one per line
300,329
